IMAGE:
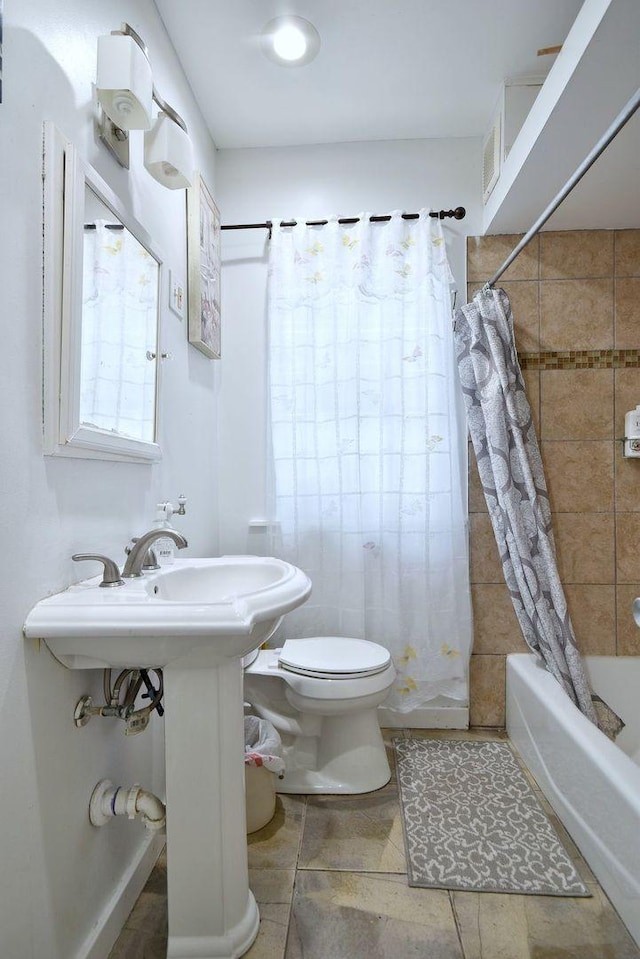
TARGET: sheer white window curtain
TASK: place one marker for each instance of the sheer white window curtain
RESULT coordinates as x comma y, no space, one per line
366,449
119,321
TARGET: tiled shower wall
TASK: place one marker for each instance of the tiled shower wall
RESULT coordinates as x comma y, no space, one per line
576,307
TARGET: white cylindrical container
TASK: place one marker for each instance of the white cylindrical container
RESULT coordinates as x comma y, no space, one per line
164,546
632,433
260,786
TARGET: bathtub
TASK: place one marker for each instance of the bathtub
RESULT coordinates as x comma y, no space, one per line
592,783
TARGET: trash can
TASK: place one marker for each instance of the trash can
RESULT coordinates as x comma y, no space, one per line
262,763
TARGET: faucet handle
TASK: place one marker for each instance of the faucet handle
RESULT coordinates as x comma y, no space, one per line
110,574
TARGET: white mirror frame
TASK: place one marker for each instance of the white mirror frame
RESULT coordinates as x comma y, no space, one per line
65,174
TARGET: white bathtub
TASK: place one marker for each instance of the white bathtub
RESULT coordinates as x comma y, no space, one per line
592,783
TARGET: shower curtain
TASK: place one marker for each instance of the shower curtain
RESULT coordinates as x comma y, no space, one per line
366,448
513,481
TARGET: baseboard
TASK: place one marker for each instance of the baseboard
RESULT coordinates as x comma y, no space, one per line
429,717
108,926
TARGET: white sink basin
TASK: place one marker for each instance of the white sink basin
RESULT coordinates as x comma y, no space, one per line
225,607
218,581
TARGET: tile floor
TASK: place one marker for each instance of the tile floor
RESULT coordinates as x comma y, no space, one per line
329,876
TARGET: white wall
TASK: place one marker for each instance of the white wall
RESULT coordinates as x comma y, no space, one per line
58,872
309,182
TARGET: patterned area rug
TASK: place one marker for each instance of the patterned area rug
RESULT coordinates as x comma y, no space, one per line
471,821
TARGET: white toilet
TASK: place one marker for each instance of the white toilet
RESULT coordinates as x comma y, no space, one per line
322,694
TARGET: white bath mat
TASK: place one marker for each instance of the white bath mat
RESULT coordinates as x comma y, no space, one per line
472,821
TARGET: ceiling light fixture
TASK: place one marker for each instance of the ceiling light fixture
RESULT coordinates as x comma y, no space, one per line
125,91
290,41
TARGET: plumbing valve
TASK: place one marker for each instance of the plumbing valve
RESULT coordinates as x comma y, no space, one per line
136,720
169,509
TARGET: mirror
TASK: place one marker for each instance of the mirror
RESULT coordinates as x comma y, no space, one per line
101,342
118,345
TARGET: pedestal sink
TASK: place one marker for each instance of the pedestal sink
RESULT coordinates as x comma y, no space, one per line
196,620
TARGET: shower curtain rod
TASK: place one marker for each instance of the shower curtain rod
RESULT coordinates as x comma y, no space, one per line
458,214
625,114
107,226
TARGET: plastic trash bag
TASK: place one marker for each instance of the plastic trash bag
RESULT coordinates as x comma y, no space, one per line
263,746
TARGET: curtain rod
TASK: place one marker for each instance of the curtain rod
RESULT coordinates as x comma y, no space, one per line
625,114
458,214
107,226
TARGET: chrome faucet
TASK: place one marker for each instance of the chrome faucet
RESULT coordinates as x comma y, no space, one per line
135,559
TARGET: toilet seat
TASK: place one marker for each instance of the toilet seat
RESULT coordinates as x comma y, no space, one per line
333,657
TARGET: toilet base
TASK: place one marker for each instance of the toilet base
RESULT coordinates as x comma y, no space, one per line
348,757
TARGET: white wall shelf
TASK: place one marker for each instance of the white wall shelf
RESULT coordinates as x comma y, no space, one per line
594,75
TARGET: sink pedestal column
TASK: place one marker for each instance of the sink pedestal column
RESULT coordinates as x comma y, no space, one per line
212,913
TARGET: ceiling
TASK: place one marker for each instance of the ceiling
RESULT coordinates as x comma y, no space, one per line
386,70
414,69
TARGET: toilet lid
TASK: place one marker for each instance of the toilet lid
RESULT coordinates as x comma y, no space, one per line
334,657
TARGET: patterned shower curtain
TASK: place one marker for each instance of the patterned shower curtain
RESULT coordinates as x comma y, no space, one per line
512,477
367,444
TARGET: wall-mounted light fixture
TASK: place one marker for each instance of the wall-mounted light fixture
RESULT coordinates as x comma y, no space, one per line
167,150
125,91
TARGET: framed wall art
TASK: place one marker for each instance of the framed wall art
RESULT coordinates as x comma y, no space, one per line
203,256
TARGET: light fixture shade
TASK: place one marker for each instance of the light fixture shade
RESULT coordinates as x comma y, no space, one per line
290,41
124,82
168,154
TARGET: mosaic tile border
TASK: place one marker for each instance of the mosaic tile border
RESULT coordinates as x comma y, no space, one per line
580,360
